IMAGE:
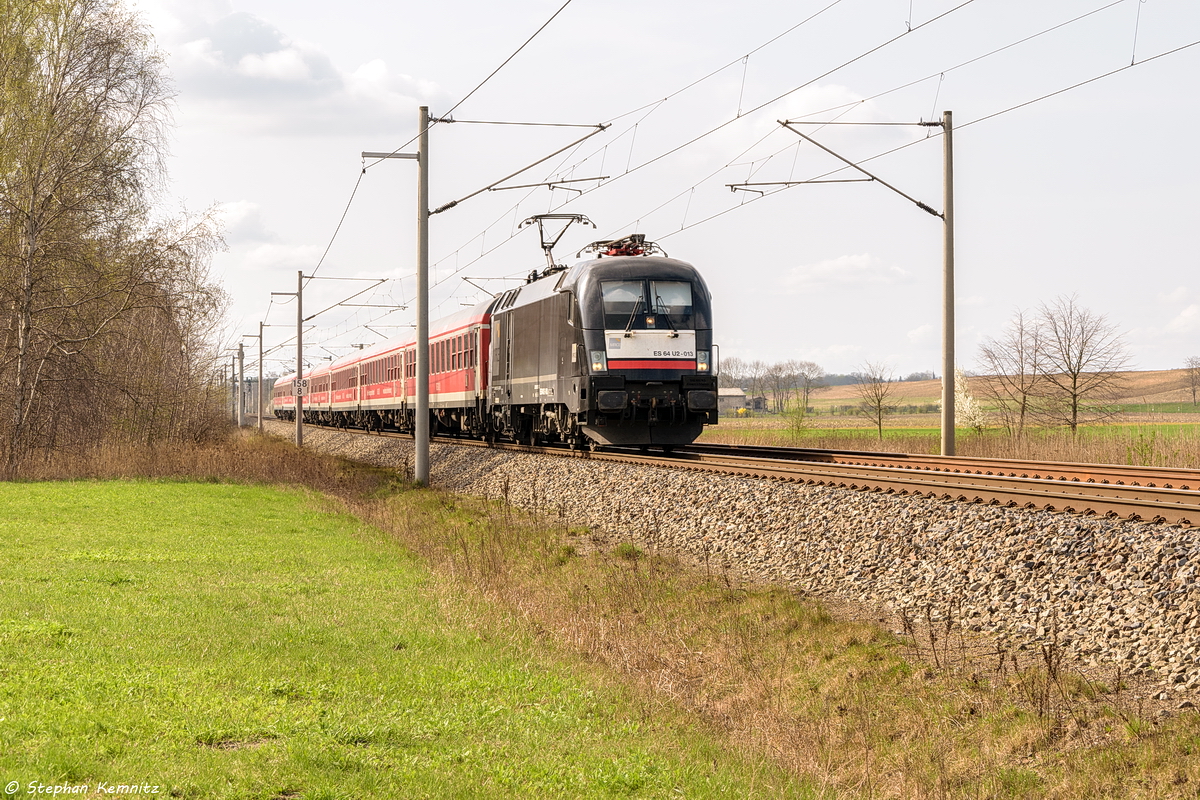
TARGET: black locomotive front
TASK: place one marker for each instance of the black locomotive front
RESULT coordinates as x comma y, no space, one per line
647,331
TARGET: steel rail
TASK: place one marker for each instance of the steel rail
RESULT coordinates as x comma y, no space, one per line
1152,504
1094,489
1167,477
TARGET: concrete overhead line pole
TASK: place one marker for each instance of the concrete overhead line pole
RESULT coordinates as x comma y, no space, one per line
948,376
297,386
298,390
241,382
258,396
421,434
233,394
421,457
260,378
947,217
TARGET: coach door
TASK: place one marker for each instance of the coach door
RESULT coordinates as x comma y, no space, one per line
501,356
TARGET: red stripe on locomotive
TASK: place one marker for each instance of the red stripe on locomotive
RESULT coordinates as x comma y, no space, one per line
650,364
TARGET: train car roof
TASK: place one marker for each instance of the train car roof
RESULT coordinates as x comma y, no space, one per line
477,314
580,275
618,267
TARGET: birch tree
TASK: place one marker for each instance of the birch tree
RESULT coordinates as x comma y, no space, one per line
85,280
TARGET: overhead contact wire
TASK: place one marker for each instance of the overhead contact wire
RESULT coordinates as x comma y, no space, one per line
939,133
341,221
1082,83
849,106
510,58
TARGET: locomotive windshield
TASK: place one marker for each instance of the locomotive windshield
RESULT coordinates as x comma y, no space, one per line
626,306
674,300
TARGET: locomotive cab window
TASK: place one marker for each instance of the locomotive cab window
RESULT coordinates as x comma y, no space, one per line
626,306
623,302
673,301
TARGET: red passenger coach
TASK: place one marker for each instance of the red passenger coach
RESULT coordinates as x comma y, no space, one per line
377,387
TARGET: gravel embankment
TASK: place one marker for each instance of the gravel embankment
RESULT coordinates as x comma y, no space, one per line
1112,593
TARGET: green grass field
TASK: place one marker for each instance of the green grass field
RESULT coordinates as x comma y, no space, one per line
242,642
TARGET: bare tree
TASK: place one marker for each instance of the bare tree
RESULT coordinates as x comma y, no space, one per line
755,376
1083,356
732,374
778,377
1191,366
807,377
875,388
1062,365
1012,371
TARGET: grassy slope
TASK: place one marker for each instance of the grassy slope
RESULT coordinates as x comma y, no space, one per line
233,641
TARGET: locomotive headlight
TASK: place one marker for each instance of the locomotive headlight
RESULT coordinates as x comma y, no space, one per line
702,362
599,361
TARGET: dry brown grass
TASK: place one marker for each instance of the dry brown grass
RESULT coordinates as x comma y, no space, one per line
849,706
237,457
1151,386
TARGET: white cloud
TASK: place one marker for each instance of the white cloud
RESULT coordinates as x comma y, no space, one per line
253,77
1186,321
844,271
244,223
923,334
282,65
1180,294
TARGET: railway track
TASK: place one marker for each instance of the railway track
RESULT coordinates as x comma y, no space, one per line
1151,494
1161,495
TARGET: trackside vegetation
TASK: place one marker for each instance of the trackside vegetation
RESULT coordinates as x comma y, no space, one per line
365,639
1140,444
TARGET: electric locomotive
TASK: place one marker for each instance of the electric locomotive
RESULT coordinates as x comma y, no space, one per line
614,350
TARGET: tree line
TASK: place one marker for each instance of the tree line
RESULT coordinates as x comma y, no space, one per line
107,311
1059,365
781,380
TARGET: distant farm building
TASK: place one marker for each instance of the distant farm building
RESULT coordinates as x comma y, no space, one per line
730,401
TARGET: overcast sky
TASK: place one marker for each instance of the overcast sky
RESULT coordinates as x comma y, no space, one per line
1094,191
